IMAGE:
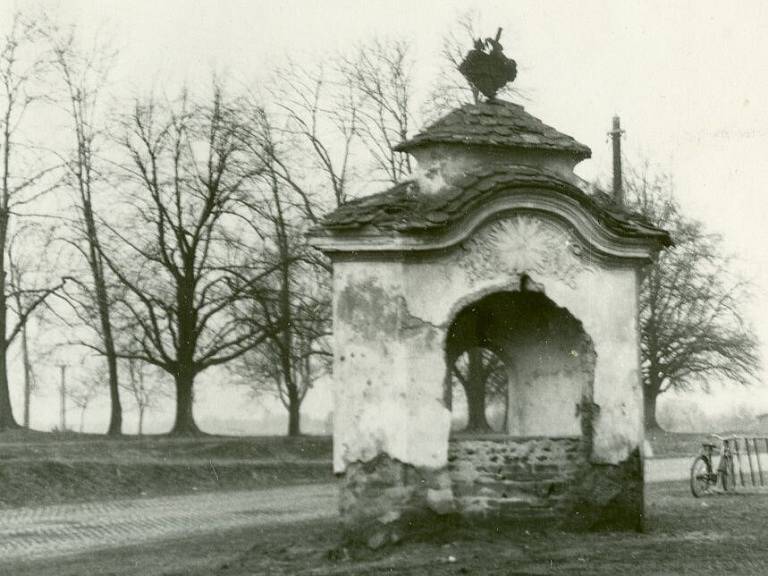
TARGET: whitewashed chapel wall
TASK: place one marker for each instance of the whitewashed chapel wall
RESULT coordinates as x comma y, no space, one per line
391,317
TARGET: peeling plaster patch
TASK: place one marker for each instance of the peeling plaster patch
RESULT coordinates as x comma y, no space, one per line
402,414
368,309
384,499
611,448
411,322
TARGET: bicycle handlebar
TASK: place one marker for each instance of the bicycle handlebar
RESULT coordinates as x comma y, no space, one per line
724,438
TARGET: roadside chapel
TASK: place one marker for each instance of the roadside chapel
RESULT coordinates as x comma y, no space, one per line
486,337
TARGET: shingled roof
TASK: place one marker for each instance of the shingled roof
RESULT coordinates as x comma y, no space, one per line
405,209
495,123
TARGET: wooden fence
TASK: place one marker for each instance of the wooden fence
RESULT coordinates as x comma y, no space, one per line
750,460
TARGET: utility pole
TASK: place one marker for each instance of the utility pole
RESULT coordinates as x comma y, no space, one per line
63,391
618,186
27,374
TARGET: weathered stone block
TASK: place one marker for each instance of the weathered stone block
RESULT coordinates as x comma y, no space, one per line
441,501
608,496
384,500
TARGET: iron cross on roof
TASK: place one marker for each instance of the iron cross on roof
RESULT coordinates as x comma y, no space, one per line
486,67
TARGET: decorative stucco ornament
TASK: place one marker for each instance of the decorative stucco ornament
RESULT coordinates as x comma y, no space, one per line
524,244
486,67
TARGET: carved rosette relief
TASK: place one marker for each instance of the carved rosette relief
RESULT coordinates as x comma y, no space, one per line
524,244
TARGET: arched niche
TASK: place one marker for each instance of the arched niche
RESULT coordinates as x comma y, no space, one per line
548,359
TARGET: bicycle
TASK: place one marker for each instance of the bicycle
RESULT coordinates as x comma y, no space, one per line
703,478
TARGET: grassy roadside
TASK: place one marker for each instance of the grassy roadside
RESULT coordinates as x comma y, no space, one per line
716,535
40,468
681,444
32,445
675,444
45,468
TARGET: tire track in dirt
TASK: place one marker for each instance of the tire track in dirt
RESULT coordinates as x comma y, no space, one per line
49,531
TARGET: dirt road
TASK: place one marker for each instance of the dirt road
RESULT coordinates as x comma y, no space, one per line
48,531
51,531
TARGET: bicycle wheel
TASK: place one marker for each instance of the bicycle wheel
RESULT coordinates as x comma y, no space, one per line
701,476
728,475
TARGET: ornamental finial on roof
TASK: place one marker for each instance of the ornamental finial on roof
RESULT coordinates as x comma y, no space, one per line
486,67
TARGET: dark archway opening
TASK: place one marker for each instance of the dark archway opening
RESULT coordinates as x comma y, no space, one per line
520,365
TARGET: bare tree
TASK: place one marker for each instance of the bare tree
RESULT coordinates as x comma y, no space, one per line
183,264
381,75
692,328
483,376
296,315
295,308
145,394
25,177
316,117
83,74
30,272
83,393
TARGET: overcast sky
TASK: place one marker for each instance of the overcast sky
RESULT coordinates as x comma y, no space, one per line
689,79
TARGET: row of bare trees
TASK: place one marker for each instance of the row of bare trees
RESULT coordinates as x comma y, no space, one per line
178,223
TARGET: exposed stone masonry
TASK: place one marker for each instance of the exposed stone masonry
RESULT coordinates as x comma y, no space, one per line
512,481
514,478
384,500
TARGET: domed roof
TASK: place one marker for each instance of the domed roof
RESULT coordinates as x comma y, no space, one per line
403,209
496,123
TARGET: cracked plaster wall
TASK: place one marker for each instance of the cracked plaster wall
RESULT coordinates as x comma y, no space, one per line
390,323
387,371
